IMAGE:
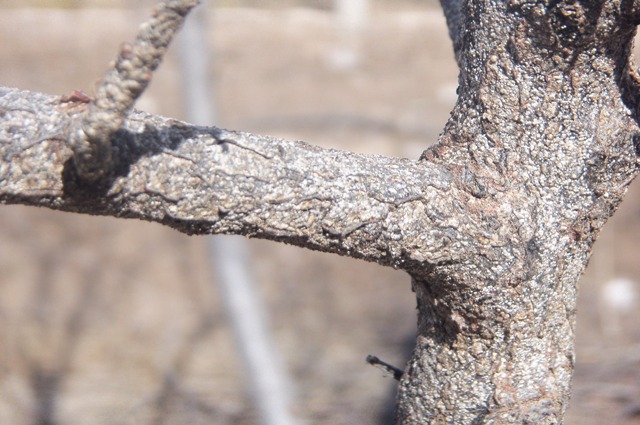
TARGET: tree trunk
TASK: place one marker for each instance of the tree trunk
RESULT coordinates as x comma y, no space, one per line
495,223
543,141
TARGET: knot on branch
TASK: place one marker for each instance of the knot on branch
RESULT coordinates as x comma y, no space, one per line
92,152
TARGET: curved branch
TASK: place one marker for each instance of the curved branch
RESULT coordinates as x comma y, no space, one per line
203,180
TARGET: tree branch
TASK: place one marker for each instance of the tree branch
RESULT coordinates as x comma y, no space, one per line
123,84
495,224
204,180
453,13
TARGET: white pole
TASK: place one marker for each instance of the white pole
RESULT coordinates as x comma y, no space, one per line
229,254
352,16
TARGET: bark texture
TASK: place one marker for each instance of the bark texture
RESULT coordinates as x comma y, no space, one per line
544,141
495,223
204,180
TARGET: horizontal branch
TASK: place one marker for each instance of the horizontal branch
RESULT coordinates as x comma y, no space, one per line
204,180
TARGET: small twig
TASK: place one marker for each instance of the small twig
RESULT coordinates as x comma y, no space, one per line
125,81
374,361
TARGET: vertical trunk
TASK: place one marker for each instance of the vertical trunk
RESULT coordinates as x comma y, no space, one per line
543,140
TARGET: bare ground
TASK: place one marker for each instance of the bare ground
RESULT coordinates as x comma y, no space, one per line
106,321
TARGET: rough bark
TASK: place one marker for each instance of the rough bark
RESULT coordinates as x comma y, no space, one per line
544,140
203,180
125,81
495,223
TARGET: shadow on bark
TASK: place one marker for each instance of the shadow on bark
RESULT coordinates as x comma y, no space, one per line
128,148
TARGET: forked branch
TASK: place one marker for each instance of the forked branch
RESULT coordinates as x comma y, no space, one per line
89,136
203,180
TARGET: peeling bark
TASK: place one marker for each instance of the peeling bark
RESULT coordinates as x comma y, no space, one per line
495,223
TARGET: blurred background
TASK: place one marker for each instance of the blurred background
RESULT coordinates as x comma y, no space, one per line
106,321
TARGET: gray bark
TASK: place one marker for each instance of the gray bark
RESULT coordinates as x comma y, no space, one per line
544,139
203,180
495,223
